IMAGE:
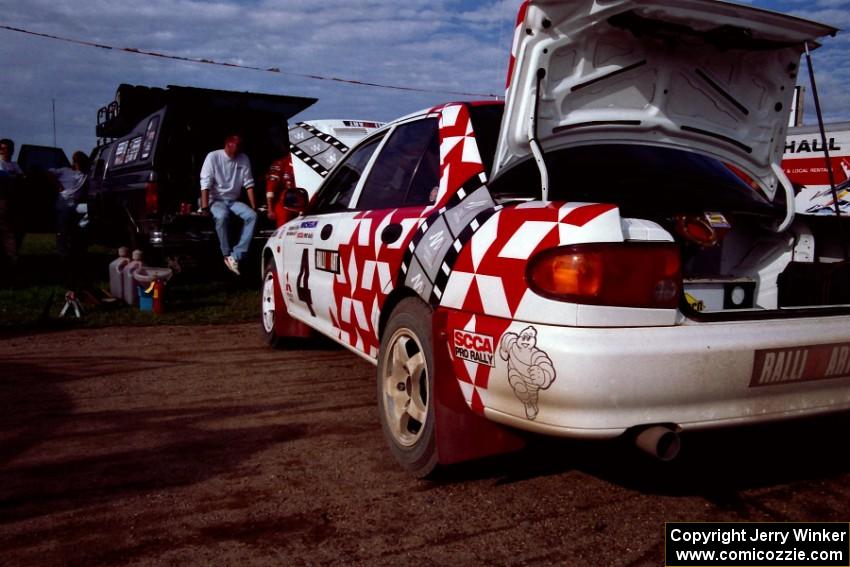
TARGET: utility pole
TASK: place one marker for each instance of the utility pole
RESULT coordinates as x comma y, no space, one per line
53,101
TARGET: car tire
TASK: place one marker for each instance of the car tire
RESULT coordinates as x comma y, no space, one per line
405,387
269,306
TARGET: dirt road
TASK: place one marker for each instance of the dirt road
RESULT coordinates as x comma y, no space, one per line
199,446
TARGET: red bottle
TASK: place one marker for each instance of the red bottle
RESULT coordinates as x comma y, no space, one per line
158,289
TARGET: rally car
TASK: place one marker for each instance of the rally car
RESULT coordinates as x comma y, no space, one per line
613,249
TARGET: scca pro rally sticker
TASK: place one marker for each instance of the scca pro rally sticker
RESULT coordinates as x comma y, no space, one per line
473,347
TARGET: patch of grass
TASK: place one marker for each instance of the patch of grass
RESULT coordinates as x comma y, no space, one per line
32,296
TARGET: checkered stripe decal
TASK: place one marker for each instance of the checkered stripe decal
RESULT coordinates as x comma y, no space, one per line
427,272
454,251
463,203
307,158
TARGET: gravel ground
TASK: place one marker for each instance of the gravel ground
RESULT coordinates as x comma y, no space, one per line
200,446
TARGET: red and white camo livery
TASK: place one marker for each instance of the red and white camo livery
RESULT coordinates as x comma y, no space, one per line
429,251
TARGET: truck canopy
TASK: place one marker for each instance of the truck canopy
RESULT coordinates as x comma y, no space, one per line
134,102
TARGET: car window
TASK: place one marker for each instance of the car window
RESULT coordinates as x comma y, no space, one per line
408,169
426,178
336,193
41,157
133,149
150,135
120,153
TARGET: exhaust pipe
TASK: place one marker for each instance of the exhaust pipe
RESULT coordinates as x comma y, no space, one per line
660,441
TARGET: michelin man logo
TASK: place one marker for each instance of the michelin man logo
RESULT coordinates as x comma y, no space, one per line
529,368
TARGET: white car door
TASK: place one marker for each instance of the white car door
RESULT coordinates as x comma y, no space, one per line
311,242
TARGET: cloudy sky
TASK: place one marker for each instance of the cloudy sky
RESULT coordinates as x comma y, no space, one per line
440,45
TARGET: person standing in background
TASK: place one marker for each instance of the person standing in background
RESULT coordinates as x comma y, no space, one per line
7,166
71,183
279,179
10,175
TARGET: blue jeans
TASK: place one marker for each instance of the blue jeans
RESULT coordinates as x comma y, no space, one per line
221,211
66,229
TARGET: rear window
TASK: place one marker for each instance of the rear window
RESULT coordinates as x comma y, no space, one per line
639,179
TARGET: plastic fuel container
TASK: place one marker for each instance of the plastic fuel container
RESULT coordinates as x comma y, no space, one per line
116,284
128,282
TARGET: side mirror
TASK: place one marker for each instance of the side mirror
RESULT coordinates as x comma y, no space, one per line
295,200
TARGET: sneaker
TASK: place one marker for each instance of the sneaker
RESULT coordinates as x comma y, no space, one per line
232,264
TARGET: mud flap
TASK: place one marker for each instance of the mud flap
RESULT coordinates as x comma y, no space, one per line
284,325
461,435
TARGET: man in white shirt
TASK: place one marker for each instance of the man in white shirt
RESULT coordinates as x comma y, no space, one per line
72,181
223,176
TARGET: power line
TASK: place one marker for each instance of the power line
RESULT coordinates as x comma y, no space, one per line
240,66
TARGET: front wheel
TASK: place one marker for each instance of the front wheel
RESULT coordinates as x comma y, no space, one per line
269,306
406,387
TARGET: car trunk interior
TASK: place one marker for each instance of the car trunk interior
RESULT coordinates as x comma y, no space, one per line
734,264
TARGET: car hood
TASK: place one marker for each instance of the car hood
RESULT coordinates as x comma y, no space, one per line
699,75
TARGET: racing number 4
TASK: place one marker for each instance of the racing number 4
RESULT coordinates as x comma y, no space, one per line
302,283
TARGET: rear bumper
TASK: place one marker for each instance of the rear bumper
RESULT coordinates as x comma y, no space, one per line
188,236
696,375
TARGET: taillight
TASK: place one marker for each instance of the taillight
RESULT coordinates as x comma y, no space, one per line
152,195
617,274
705,230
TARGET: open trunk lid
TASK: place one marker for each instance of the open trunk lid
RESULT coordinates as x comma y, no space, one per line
699,75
